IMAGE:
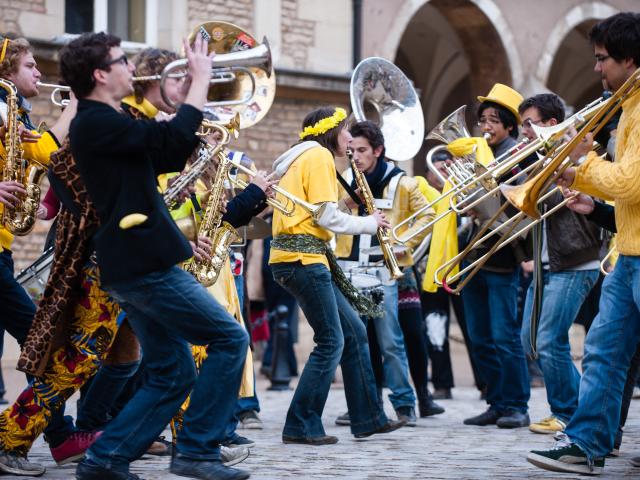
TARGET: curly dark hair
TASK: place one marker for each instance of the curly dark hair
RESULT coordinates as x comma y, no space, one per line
620,35
329,139
82,56
548,105
150,61
507,118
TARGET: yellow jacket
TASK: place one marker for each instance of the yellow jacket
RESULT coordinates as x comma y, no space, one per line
619,180
408,199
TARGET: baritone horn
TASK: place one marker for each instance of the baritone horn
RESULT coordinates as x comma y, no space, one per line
243,77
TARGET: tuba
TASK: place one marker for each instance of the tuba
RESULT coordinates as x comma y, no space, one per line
21,218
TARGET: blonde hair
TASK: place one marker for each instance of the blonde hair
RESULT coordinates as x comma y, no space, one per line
150,61
16,48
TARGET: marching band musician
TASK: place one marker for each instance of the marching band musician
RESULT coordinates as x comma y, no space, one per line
17,311
569,257
137,248
303,264
490,297
614,333
401,197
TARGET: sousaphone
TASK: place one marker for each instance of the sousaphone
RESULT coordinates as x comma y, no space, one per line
381,93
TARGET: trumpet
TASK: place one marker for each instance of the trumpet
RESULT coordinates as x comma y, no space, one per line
286,208
56,94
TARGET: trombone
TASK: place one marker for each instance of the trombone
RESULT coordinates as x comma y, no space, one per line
526,197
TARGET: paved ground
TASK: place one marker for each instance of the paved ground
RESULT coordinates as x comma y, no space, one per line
439,447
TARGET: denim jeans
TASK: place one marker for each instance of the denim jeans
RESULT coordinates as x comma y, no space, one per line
394,355
609,347
168,311
490,308
562,297
340,337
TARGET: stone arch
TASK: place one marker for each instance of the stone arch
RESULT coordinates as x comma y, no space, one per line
453,50
573,18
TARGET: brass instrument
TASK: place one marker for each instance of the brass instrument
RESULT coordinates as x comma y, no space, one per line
390,260
286,208
221,234
380,92
525,197
20,218
56,93
243,77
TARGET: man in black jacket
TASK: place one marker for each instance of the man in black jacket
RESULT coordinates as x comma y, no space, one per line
568,255
137,248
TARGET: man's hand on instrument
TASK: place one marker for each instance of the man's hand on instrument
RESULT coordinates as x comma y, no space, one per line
199,61
578,202
26,135
567,177
201,250
581,150
222,206
263,182
381,220
8,191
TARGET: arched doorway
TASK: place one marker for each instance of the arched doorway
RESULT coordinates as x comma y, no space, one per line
452,52
571,75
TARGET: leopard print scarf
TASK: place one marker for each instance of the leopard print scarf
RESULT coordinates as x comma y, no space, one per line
72,251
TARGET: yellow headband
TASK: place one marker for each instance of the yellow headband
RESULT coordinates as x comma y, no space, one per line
5,43
324,125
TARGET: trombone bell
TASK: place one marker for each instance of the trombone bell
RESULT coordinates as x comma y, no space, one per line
520,196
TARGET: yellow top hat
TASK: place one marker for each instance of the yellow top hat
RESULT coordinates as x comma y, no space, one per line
505,96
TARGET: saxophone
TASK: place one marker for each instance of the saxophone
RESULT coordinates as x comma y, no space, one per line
21,218
221,234
390,260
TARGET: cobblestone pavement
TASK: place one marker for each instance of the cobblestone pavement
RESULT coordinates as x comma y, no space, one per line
439,447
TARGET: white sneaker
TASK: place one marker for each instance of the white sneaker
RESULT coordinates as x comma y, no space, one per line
233,455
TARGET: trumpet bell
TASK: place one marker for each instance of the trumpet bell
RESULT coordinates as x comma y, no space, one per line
380,92
237,85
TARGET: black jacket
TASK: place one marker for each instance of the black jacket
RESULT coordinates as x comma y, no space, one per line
571,238
119,159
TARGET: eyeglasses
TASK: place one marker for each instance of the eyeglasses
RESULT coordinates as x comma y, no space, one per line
601,58
490,121
121,59
528,122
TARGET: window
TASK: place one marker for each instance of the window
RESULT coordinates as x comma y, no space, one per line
135,21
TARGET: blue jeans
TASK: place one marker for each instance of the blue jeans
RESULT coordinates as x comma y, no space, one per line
563,294
168,311
609,346
490,309
394,356
340,337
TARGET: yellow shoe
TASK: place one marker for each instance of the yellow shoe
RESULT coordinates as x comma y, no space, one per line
548,425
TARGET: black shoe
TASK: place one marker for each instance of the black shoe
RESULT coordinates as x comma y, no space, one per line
343,420
490,417
324,440
513,419
239,442
161,447
635,461
430,408
3,401
442,394
205,469
86,471
390,426
407,415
